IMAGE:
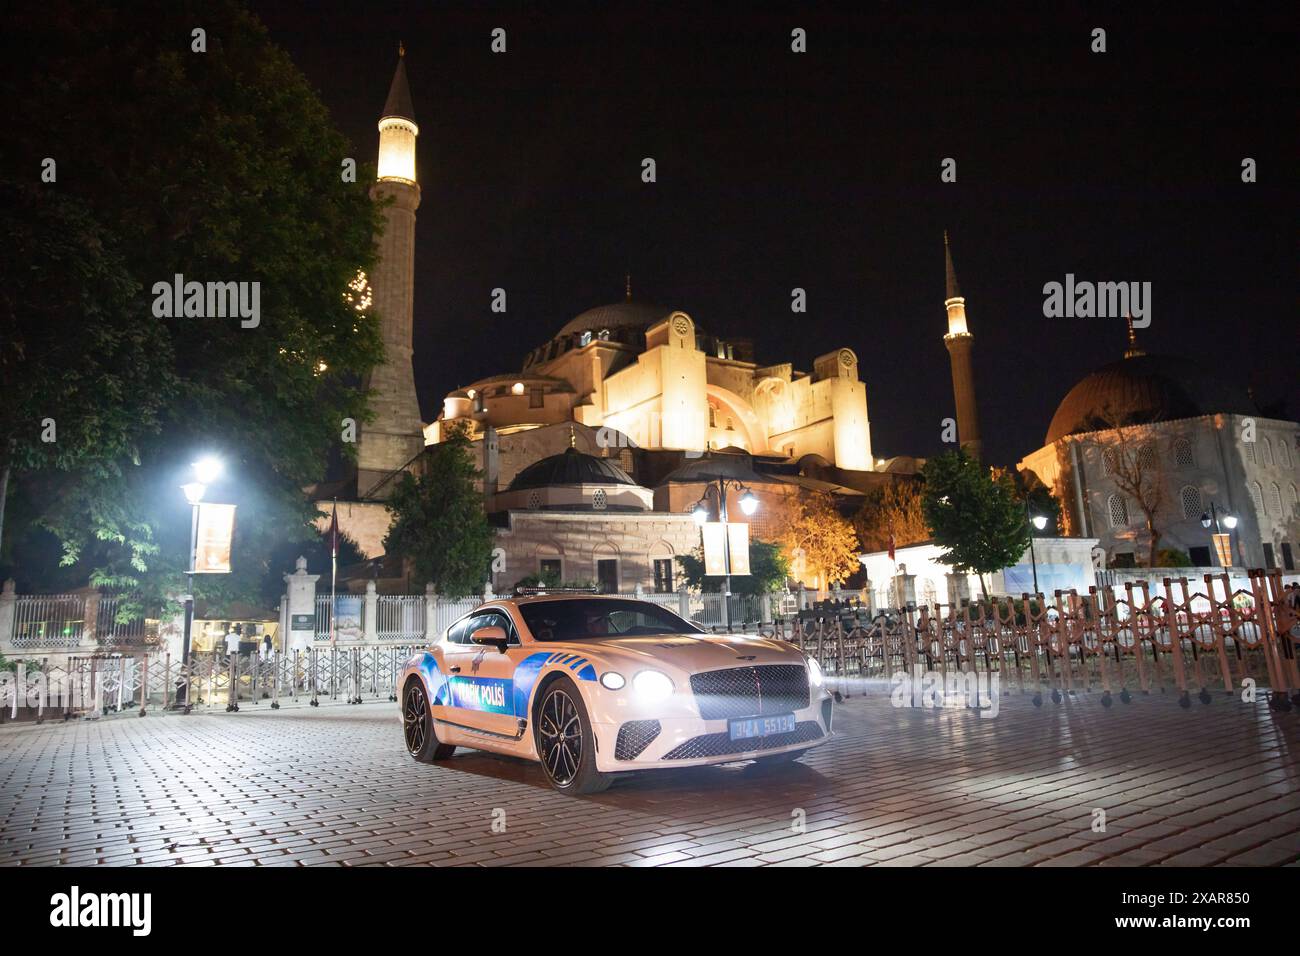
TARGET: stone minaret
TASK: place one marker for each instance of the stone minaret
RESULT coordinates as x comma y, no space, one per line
396,434
959,342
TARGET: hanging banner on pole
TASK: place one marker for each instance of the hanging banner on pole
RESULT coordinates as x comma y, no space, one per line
715,560
738,540
212,542
1223,547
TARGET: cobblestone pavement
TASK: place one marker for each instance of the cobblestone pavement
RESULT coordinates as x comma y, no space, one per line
1217,784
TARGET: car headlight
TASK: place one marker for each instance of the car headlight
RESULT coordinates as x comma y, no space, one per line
652,686
612,680
815,676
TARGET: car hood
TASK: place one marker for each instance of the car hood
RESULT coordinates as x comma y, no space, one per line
692,652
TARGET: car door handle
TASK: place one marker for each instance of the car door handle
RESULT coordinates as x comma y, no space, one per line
455,669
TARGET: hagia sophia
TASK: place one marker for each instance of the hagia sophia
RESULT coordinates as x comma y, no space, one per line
596,448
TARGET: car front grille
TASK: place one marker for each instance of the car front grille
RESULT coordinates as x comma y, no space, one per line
759,691
634,737
719,745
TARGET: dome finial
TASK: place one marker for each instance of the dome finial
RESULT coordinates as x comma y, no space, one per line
573,437
627,286
401,48
1132,351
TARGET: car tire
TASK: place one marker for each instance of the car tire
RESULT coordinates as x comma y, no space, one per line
417,726
566,744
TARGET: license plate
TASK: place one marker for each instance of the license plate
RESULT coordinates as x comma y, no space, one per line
748,727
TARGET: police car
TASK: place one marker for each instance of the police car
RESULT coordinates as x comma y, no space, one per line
592,685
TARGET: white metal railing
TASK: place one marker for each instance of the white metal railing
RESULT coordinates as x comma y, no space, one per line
400,617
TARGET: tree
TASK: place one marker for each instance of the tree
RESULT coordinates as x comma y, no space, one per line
768,570
975,516
438,520
220,166
895,508
816,538
1131,461
1027,488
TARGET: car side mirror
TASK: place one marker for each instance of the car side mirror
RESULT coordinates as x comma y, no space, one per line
491,636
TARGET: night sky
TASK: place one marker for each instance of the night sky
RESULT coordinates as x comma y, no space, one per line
821,171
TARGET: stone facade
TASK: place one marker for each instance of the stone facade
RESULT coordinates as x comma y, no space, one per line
578,540
650,375
1199,460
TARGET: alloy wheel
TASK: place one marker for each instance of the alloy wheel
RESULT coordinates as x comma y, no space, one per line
560,729
414,724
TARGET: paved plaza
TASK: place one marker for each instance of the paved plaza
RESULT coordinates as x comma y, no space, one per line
1217,784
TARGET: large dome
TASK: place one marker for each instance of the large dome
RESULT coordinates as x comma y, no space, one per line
570,467
620,315
1140,390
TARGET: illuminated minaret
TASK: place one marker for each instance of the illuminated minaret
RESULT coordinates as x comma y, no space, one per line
959,342
396,433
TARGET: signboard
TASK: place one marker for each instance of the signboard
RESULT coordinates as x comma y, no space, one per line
302,622
216,530
347,618
715,563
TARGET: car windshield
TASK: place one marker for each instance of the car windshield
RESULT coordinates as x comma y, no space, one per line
596,618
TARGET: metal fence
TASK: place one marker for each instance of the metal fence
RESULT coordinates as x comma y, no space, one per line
64,621
1210,640
49,620
97,684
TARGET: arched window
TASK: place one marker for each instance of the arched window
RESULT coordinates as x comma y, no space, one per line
1118,506
1295,499
1147,456
1268,451
598,500
1109,462
1284,454
1250,452
1257,497
1275,499
1183,454
1190,497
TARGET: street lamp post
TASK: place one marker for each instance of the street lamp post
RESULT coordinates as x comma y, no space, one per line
1211,520
748,504
206,471
1038,522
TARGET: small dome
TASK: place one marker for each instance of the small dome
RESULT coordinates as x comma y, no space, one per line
620,315
1141,390
570,467
713,466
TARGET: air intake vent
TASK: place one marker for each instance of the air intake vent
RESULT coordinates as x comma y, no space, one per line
634,737
718,745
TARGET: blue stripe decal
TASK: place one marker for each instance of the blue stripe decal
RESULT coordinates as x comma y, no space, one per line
587,673
433,678
578,663
525,677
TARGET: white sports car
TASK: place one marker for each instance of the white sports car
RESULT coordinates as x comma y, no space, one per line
591,686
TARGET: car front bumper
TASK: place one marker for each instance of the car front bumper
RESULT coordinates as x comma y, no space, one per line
657,744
